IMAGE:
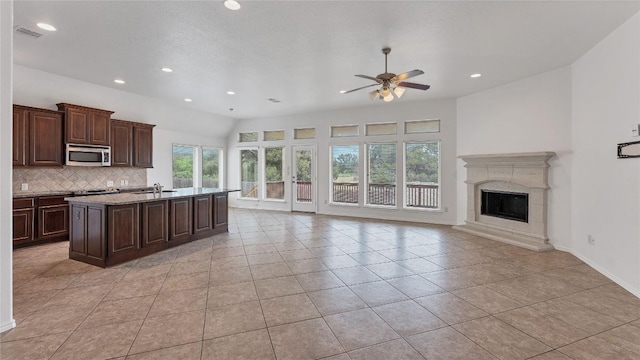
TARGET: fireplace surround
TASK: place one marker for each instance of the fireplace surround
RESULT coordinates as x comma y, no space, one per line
524,176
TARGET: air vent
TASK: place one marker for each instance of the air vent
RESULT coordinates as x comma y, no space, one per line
273,100
27,32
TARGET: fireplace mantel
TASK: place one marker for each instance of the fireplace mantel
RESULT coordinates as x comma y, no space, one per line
515,172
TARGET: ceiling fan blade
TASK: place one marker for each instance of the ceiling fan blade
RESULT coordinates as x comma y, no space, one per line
414,85
360,88
407,75
370,78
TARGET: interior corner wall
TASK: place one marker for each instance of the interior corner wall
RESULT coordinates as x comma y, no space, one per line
529,115
6,243
445,110
606,190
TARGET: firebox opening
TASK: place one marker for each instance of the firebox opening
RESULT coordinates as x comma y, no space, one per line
506,205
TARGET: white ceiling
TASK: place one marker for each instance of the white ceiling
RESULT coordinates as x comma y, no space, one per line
304,52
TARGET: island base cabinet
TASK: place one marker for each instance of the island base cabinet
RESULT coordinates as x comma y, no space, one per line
123,233
181,221
87,234
220,213
155,225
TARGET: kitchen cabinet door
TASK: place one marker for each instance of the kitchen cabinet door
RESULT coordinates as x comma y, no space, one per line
20,138
53,221
155,227
85,125
123,234
45,139
143,146
221,211
202,219
180,223
99,128
23,225
121,143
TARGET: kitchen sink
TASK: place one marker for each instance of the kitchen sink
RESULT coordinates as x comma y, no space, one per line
151,191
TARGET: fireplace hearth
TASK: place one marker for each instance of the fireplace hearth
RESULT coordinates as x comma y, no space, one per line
507,198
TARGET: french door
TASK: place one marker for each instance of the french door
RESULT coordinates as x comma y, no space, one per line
303,184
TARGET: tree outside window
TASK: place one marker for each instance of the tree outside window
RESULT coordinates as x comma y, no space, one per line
344,171
182,165
249,173
211,167
422,174
274,176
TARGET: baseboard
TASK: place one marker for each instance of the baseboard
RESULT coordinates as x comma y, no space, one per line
7,326
615,279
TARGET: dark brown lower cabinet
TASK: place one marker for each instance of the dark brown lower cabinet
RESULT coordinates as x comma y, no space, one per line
87,240
155,224
202,219
23,225
107,235
180,221
123,232
220,212
39,219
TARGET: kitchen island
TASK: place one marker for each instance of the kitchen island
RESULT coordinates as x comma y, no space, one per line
106,230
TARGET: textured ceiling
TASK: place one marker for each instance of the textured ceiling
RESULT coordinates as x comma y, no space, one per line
303,52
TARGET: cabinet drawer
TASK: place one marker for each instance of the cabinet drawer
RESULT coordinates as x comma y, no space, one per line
51,200
23,203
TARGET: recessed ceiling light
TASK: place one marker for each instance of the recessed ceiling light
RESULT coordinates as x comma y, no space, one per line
188,100
118,81
343,91
476,75
47,27
231,92
166,69
232,5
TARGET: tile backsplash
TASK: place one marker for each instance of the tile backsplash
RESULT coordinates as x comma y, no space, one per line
76,178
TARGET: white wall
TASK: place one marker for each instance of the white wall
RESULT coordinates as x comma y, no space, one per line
378,112
606,190
6,243
179,125
529,115
162,145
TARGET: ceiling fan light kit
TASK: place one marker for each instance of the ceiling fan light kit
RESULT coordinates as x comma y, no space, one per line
392,84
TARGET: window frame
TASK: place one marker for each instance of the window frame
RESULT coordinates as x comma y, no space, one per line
404,176
359,169
367,169
220,164
258,172
194,166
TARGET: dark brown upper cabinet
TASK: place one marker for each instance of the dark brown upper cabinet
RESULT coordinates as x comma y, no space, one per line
121,143
37,137
143,145
85,125
131,144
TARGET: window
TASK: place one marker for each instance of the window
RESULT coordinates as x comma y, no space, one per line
300,134
248,137
249,173
182,161
344,173
422,126
422,175
382,129
344,131
274,135
381,180
273,172
211,167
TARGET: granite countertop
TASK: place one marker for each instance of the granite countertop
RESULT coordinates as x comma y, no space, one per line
132,198
25,194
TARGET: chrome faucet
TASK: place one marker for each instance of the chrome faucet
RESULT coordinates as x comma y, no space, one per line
157,188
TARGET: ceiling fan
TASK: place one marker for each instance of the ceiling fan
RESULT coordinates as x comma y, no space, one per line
392,84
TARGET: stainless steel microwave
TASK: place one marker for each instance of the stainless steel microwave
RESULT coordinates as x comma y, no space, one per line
88,155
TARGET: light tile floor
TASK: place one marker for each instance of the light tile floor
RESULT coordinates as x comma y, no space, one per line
302,286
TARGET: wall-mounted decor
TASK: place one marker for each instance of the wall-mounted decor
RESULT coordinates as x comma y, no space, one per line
629,150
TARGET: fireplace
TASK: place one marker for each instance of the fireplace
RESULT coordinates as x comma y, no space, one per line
505,205
507,198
